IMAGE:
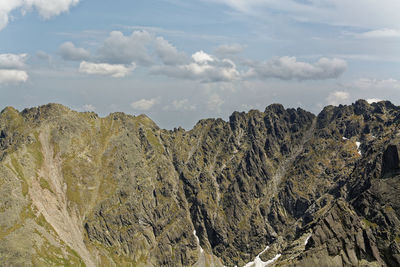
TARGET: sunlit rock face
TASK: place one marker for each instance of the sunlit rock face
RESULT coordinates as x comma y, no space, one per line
279,187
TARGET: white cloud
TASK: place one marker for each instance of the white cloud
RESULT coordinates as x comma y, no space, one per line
202,58
13,76
114,70
88,107
181,105
68,51
338,97
11,68
288,68
46,8
373,100
6,6
144,104
168,53
13,61
203,67
121,49
380,33
215,102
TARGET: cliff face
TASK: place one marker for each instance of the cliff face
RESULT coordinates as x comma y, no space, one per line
81,190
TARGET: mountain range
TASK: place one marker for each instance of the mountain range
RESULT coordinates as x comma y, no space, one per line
279,187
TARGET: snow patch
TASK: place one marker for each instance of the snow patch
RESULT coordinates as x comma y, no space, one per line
306,241
259,263
277,256
198,241
358,144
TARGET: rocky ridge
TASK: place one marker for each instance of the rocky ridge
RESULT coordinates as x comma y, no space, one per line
119,191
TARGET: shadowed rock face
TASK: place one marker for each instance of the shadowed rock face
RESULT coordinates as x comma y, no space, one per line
390,161
81,190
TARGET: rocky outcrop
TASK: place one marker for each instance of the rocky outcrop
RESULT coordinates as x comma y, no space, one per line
390,161
281,186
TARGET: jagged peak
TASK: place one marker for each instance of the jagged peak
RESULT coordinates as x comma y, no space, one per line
144,119
119,115
276,108
50,107
9,109
53,110
10,113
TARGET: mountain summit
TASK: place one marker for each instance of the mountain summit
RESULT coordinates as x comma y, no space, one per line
280,187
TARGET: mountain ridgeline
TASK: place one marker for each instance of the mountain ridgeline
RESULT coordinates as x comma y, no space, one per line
281,187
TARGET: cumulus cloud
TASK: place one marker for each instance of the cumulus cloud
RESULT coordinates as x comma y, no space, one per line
12,76
202,58
68,51
168,53
13,61
338,97
12,68
6,6
142,48
46,9
144,104
203,67
113,70
181,105
288,68
121,49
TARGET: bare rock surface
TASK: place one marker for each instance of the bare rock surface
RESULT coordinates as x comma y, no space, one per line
281,187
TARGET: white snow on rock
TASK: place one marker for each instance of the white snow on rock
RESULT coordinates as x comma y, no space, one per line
259,263
277,256
198,241
306,241
358,144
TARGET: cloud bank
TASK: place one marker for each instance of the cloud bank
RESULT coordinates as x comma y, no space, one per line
119,55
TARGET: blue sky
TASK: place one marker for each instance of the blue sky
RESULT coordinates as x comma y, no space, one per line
180,61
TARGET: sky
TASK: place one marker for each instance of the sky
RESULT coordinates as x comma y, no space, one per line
181,61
